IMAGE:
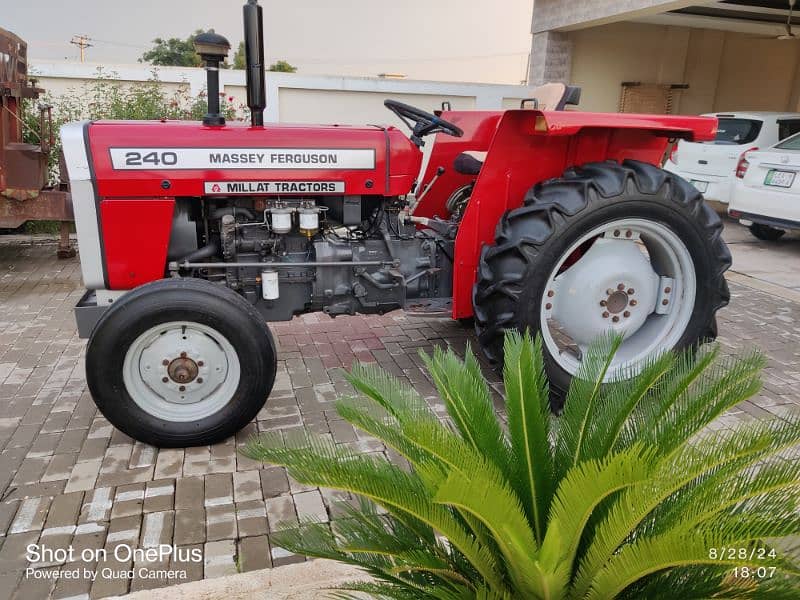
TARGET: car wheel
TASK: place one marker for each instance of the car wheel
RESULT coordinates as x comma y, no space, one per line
766,233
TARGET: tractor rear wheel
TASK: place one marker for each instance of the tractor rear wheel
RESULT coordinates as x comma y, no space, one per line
628,248
180,362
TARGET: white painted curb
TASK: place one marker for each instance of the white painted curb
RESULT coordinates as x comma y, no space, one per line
301,581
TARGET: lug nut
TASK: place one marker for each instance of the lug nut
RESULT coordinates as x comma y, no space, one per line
633,302
631,291
667,290
628,234
615,319
621,287
165,362
183,354
605,315
200,363
626,314
199,380
550,293
665,302
603,302
182,388
609,291
165,379
616,233
548,306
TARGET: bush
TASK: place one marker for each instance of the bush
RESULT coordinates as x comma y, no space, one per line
627,494
107,97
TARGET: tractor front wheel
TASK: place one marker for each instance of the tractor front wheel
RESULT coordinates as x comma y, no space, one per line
180,362
625,248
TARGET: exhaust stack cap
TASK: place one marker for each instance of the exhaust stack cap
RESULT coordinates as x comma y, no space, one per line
212,46
213,49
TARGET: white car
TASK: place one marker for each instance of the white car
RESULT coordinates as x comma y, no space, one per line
710,166
766,195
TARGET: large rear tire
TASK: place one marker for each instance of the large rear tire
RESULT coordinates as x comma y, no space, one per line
180,362
629,248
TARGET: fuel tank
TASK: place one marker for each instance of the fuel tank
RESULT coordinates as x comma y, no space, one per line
151,159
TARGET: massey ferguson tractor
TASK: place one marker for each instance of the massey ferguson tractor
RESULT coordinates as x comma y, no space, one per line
192,236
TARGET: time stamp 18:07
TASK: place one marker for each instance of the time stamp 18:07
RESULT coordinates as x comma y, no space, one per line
751,562
42,555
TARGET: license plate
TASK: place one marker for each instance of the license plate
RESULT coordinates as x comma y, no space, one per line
779,178
702,186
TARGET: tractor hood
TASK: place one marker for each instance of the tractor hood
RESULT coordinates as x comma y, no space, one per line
179,158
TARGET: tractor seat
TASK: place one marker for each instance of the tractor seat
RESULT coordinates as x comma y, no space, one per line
469,163
550,96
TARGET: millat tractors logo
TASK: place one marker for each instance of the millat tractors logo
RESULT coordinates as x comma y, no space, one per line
227,188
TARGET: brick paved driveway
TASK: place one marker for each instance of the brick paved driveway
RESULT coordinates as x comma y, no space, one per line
68,478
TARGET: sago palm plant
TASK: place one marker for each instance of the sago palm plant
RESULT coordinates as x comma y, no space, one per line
626,494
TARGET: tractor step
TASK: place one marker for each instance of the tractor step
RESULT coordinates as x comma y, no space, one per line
434,307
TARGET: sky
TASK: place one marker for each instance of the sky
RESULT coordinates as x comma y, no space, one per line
452,40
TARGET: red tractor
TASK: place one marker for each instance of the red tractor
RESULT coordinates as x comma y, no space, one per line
193,235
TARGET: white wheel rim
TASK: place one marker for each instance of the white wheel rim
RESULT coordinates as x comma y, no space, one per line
181,371
642,272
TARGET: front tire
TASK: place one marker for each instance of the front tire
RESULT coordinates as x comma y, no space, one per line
595,251
180,362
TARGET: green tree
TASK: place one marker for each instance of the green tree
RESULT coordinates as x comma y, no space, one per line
239,61
628,494
282,66
173,52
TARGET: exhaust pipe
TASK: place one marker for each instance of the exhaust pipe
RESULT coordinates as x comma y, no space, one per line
254,57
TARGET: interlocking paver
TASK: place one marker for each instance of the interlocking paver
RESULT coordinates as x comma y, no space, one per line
254,553
219,558
68,477
251,518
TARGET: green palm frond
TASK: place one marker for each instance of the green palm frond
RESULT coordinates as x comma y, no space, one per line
469,403
584,488
622,496
528,411
621,402
581,403
483,492
720,389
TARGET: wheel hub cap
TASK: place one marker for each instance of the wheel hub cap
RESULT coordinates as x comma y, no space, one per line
612,286
637,280
182,370
616,302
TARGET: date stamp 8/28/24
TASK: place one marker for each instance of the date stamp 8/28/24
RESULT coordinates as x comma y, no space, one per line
752,556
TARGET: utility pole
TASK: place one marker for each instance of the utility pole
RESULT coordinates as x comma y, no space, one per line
82,42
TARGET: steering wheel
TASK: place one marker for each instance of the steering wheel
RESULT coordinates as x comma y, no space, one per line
420,122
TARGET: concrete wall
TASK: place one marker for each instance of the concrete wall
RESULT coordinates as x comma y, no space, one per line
724,70
293,97
564,15
757,73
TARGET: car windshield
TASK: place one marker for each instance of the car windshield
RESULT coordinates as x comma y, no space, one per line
790,143
734,131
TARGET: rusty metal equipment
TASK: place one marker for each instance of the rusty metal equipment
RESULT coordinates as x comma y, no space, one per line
24,191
